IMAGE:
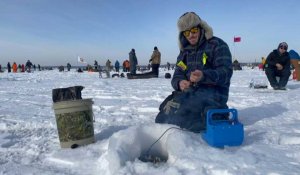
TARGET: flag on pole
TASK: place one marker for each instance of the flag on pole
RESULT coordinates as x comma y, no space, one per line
237,39
81,60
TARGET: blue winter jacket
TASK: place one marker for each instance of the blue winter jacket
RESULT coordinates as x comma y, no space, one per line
117,64
213,58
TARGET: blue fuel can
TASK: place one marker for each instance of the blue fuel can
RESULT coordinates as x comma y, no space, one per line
220,133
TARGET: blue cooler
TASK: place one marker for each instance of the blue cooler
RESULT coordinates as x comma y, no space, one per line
223,132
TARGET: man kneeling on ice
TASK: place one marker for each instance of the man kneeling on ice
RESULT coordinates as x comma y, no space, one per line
278,65
202,76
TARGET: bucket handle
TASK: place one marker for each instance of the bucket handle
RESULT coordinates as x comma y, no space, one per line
210,113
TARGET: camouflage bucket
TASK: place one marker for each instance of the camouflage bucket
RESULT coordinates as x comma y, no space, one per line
74,121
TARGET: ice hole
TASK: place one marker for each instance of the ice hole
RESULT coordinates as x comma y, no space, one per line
153,147
133,144
155,153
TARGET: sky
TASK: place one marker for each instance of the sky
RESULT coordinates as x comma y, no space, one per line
124,112
55,32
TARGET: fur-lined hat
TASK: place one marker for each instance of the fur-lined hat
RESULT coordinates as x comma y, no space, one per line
190,20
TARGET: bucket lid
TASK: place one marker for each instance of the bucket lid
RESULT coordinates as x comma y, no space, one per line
73,103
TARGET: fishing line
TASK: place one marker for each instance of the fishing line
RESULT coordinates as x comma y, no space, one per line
147,157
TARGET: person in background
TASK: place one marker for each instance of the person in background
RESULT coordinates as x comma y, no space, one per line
96,65
236,65
168,65
108,68
69,66
123,65
126,66
263,62
108,65
117,66
133,61
8,67
28,66
1,68
155,61
61,68
39,67
15,67
278,65
22,68
203,69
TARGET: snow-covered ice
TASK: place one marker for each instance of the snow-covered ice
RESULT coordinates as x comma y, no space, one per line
124,128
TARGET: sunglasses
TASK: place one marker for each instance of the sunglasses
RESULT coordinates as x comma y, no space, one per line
283,47
192,30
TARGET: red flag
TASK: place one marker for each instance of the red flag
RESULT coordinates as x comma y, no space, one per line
237,39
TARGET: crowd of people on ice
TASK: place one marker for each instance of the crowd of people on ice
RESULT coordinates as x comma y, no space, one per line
277,65
129,65
27,67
